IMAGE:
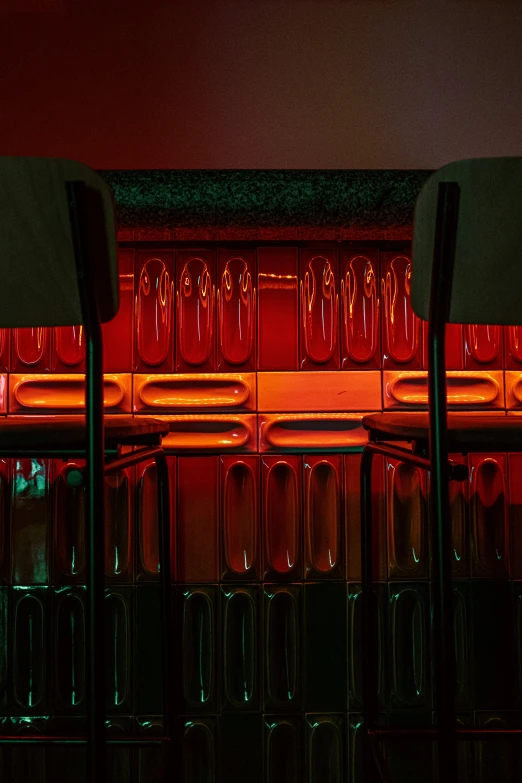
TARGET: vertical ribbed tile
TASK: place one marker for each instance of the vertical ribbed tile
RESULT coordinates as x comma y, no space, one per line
29,763
5,565
29,650
148,766
199,750
236,310
325,621
31,349
278,319
360,309
281,522
240,504
30,520
69,547
118,333
241,618
460,523
515,513
401,332
352,501
68,349
282,654
483,348
147,531
489,521
198,519
119,525
407,521
5,650
319,312
195,309
5,346
325,751
497,762
241,745
119,649
323,517
154,311
284,752
454,353
409,651
199,628
69,650
354,658
355,766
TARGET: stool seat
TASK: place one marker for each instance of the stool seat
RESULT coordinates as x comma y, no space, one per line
68,432
465,432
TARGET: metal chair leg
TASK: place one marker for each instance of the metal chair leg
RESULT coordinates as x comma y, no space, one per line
369,619
169,665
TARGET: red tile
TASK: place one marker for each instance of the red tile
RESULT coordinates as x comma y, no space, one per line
154,311
483,347
240,501
198,519
118,333
195,307
236,311
319,299
147,532
401,328
281,505
30,521
277,327
323,516
31,349
360,309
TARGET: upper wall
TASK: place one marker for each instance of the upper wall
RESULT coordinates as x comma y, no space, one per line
244,84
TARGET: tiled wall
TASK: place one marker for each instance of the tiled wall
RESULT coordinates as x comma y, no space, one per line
263,360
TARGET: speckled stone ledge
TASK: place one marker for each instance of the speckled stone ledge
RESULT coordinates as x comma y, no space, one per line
278,205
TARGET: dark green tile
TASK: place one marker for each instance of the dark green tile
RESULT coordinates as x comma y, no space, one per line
325,647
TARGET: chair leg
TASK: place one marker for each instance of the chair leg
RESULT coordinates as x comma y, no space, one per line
369,619
169,664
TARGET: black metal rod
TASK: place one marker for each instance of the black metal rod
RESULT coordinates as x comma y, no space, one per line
132,459
370,673
169,664
443,620
94,495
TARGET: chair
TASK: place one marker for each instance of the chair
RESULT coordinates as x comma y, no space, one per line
467,222
59,268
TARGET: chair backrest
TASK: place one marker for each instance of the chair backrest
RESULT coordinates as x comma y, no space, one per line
38,280
487,277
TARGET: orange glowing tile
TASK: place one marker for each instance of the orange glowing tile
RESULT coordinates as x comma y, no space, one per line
319,391
466,390
211,433
65,393
311,432
183,392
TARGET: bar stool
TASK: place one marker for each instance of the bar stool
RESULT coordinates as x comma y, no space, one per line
58,257
466,268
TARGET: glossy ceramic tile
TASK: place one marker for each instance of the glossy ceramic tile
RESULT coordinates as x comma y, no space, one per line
219,392
198,519
33,394
488,492
69,545
408,660
31,349
454,355
319,306
326,748
319,391
401,328
311,431
196,311
199,749
146,660
236,310
466,390
199,629
118,334
352,501
212,433
512,347
354,658
240,523
283,647
69,645
483,347
407,515
360,309
323,517
241,618
146,524
281,504
278,309
515,513
154,311
69,349
5,549
30,650
513,381
284,752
